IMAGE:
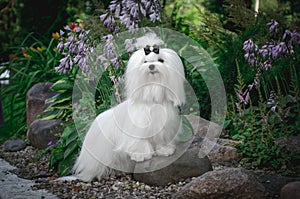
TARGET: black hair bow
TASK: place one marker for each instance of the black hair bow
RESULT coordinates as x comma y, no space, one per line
148,49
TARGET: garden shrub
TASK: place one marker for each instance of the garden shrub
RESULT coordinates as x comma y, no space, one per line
32,64
268,108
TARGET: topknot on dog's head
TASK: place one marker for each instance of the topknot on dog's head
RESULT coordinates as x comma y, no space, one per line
150,39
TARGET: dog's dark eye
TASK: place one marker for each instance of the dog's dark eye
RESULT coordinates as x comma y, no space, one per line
145,61
161,60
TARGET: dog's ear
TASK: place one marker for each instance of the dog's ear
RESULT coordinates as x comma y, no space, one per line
131,83
176,78
176,92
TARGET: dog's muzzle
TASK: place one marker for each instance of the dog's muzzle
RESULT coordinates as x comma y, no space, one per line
152,69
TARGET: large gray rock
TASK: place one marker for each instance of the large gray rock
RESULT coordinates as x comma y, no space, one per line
186,166
35,100
290,190
14,145
192,158
221,149
273,182
208,141
189,160
230,183
203,127
41,133
224,153
291,143
14,187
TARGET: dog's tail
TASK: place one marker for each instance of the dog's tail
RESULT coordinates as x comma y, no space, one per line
88,167
96,154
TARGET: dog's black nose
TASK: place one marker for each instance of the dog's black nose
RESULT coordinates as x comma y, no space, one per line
151,67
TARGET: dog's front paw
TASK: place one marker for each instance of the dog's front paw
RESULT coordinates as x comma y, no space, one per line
165,150
140,157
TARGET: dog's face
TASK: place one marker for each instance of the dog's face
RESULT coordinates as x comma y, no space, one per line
154,67
155,75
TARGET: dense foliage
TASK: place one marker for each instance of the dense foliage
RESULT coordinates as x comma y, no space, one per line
257,55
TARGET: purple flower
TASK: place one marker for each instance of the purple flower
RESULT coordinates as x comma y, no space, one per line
143,10
263,52
273,108
240,110
250,86
295,39
129,45
256,82
262,58
60,46
247,98
251,58
251,50
101,59
265,119
287,34
273,27
129,13
103,16
267,64
61,33
109,22
74,46
153,17
243,97
279,50
249,46
272,101
266,49
109,56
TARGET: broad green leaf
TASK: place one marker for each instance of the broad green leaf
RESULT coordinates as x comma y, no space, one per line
71,148
67,132
60,97
56,113
65,166
62,85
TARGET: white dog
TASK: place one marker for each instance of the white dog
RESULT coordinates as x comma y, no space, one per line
146,123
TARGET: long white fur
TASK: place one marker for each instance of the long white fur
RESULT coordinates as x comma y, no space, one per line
142,126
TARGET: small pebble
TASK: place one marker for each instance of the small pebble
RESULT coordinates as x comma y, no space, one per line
147,187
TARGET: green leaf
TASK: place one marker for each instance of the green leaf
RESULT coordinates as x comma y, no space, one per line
65,166
59,98
65,107
71,148
187,130
56,156
67,132
54,114
227,123
62,85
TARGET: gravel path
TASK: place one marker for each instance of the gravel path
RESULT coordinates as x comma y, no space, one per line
31,165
